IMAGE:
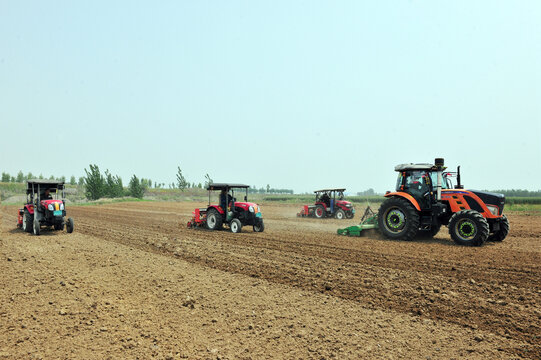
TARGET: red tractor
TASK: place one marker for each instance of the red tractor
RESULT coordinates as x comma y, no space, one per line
327,205
42,209
425,199
229,211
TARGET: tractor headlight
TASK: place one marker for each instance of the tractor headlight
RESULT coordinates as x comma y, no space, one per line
493,209
62,206
50,207
251,208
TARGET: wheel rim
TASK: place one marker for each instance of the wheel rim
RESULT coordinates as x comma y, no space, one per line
211,221
234,226
24,223
319,212
395,220
339,215
466,229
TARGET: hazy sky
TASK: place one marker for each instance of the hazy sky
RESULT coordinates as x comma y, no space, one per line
295,94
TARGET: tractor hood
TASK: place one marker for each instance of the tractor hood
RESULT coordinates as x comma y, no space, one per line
246,206
491,198
344,203
50,201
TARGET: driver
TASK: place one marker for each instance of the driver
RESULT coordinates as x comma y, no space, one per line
326,199
225,199
47,195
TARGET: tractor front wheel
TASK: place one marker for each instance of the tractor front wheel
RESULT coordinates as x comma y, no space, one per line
214,220
27,221
69,226
235,225
398,219
468,227
502,233
319,212
340,214
260,227
36,226
349,214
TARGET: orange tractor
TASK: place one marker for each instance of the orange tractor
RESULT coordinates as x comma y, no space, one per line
425,199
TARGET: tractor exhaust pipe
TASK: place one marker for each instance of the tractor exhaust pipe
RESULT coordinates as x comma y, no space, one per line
439,166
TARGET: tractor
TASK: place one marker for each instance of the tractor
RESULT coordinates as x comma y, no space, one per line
425,199
327,205
44,209
229,211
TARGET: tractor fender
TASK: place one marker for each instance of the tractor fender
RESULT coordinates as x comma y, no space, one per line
406,196
30,208
218,208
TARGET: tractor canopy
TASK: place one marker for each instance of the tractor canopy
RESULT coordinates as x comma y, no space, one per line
226,186
39,185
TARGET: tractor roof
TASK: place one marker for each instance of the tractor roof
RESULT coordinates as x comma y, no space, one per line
406,167
43,184
221,186
325,190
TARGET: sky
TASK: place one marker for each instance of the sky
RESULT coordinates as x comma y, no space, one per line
299,95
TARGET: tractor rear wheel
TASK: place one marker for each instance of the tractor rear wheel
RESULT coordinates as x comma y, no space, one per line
319,212
340,214
27,221
502,233
214,220
398,219
69,226
259,227
235,225
468,227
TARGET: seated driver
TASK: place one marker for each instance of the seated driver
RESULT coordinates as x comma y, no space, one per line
225,199
46,195
326,199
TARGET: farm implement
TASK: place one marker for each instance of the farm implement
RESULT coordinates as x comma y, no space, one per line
329,203
229,211
369,220
424,200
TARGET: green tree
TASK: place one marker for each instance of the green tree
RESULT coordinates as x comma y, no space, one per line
113,185
20,177
81,181
5,177
73,181
181,181
94,183
135,188
29,176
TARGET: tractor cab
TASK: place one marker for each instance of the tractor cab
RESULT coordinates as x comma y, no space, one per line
45,206
228,210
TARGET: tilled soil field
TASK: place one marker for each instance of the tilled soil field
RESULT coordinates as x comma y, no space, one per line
133,282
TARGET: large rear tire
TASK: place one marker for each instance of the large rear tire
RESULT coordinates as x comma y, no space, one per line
28,220
319,212
468,227
503,232
398,219
340,214
214,220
